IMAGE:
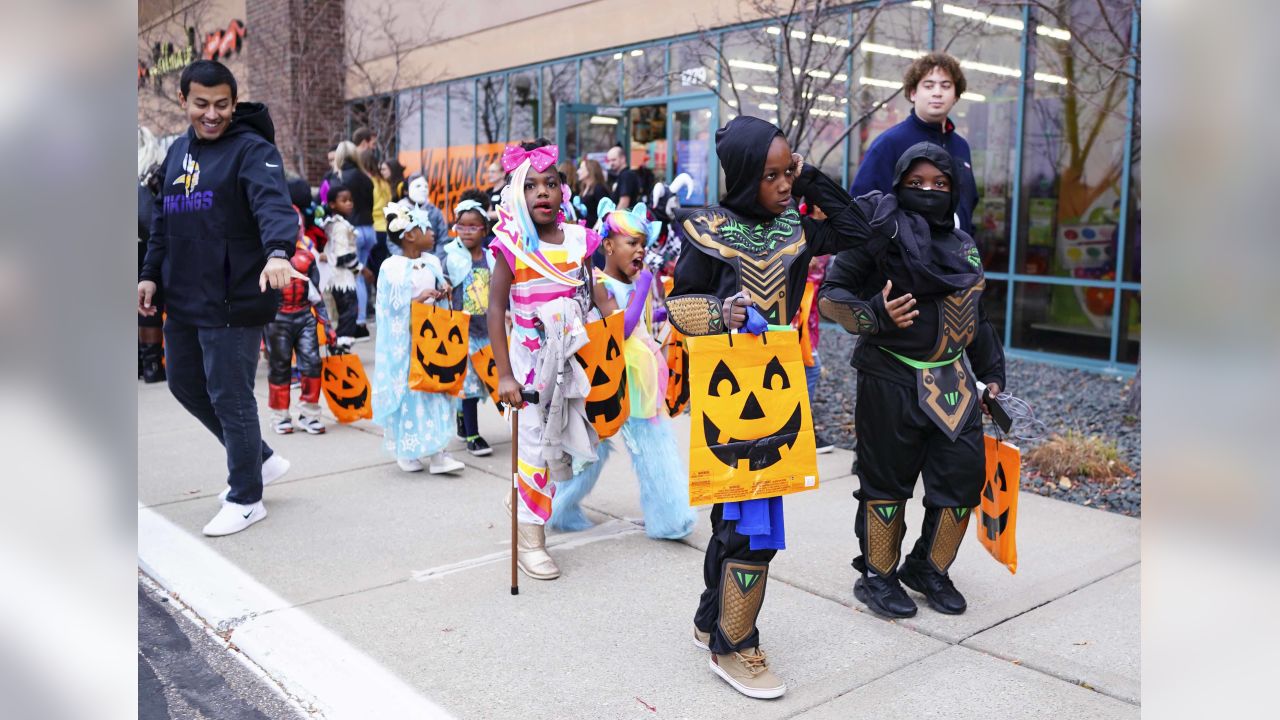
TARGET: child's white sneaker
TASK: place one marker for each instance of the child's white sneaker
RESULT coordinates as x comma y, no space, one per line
410,465
442,463
233,518
311,424
273,468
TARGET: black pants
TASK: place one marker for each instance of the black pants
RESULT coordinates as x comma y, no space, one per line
470,422
898,443
725,543
287,335
211,372
347,306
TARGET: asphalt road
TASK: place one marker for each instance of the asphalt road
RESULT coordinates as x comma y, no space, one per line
183,674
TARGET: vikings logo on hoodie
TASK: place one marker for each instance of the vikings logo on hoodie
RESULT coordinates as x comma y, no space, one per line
189,179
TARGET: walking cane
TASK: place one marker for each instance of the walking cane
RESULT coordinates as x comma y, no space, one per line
529,396
515,480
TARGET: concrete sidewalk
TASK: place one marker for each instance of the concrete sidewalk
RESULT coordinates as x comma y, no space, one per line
369,592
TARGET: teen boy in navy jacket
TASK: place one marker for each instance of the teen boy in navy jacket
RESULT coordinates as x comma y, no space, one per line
221,237
932,84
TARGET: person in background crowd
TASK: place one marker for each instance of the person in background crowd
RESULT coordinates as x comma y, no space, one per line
469,265
647,179
933,84
357,182
150,327
592,188
222,263
418,196
344,262
366,139
570,176
393,172
381,196
497,180
624,183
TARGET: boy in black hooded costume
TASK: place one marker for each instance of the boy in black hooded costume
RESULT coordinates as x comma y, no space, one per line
752,249
917,403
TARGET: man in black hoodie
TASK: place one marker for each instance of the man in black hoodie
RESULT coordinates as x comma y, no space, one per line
221,238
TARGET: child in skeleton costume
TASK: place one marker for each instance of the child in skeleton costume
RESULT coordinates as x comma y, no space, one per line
626,283
293,333
542,262
343,262
415,424
751,250
914,296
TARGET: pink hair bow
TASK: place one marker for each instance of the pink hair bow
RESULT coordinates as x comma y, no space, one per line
540,158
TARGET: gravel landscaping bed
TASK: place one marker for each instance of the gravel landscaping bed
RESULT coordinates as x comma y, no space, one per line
1063,399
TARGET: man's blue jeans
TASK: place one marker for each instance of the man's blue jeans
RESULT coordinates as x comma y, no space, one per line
211,372
365,239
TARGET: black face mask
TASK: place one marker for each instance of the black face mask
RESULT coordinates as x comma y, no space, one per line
935,206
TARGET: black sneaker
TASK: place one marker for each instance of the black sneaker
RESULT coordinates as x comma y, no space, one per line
824,444
884,596
478,447
937,588
361,333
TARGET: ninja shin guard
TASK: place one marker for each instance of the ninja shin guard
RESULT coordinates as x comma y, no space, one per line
741,595
940,537
881,537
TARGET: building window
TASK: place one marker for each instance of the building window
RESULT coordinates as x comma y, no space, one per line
599,81
559,86
1073,160
523,91
989,48
644,72
461,172
491,109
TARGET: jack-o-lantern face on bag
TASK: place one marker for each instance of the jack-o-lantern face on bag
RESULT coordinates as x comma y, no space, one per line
487,370
440,349
998,506
751,425
346,387
606,364
677,396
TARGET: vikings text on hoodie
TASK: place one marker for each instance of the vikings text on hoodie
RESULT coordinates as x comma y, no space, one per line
224,205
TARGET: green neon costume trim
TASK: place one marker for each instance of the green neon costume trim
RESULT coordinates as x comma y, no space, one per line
919,364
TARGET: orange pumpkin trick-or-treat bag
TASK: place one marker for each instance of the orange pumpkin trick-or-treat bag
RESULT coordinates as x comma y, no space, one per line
751,426
605,362
441,350
346,387
998,511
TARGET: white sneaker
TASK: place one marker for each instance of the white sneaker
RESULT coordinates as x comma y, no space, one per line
233,518
442,463
410,465
273,468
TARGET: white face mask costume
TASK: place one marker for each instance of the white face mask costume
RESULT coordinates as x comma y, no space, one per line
418,191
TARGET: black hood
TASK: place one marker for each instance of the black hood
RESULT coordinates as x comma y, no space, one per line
742,146
252,117
935,154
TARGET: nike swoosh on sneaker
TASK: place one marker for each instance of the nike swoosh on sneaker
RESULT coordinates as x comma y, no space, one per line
270,165
246,515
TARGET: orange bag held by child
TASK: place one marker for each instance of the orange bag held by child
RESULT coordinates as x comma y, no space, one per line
346,387
440,349
998,510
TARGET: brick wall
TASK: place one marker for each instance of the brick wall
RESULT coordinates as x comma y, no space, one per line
295,56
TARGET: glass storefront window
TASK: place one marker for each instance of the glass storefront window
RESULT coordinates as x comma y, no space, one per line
433,135
559,85
1130,347
1133,244
989,49
750,73
460,173
1063,319
891,38
524,106
491,109
693,65
644,72
1073,152
600,79
813,99
409,133
994,301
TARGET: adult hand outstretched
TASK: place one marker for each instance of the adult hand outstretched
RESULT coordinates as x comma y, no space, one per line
277,273
899,309
146,293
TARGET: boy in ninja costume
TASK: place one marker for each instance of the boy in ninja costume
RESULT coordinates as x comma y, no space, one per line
752,250
914,295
